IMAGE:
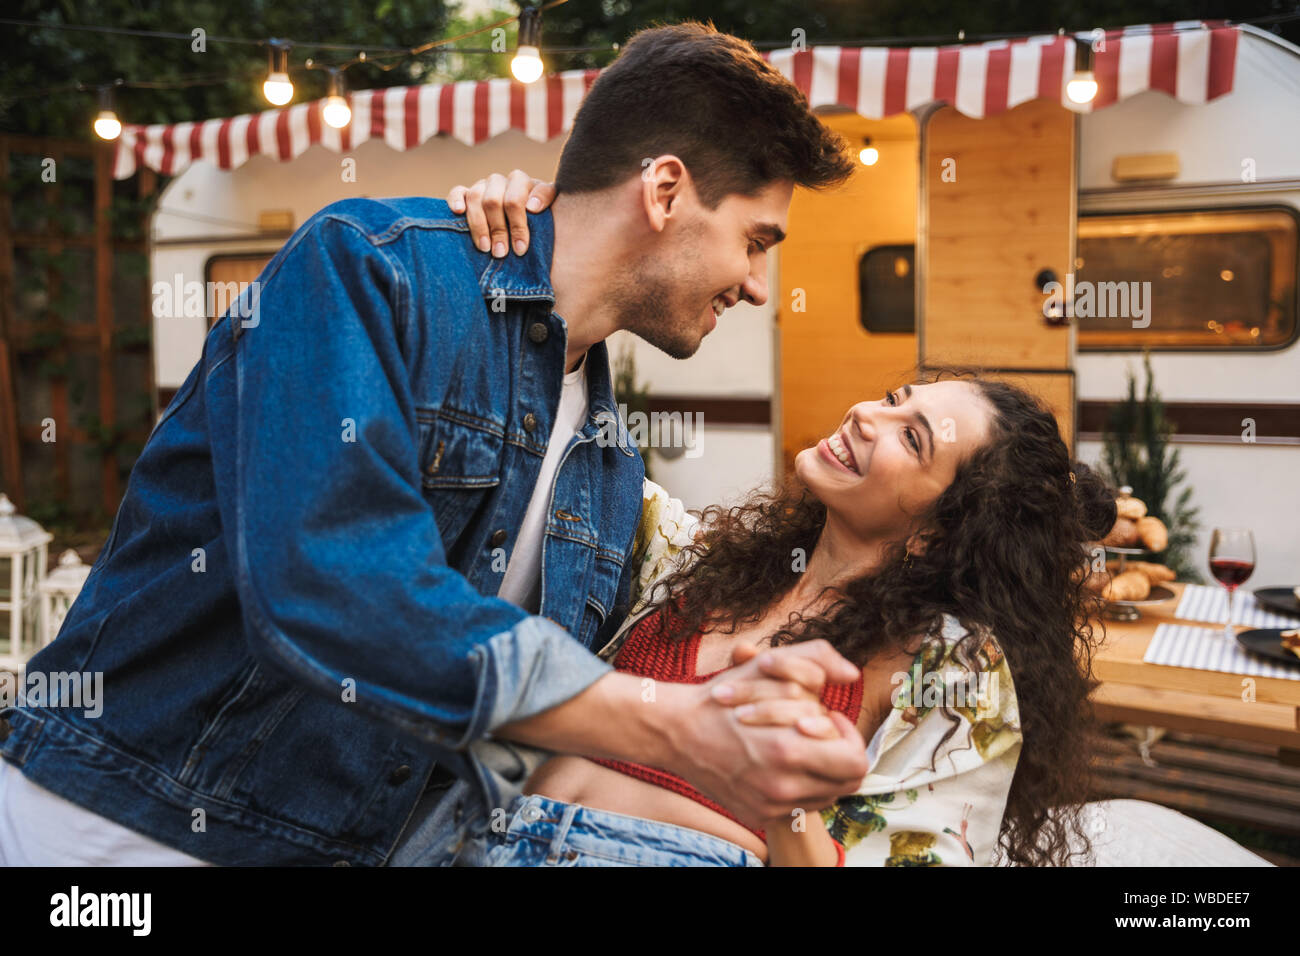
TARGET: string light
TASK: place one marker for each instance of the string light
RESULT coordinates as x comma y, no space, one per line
1082,87
868,155
336,111
527,63
107,125
278,88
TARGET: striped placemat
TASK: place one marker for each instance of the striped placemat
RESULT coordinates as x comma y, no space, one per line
1206,649
1210,604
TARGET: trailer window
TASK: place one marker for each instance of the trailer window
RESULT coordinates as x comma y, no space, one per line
887,289
1190,279
226,277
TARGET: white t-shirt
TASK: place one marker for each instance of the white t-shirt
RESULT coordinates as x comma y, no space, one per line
40,828
521,583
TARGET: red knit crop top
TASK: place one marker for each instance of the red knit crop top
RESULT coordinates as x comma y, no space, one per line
649,652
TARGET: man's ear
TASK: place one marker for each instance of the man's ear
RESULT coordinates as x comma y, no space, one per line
665,182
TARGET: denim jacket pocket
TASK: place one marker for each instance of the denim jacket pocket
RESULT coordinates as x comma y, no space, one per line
241,720
460,462
602,595
458,450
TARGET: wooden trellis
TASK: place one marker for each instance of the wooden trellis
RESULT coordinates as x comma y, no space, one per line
76,369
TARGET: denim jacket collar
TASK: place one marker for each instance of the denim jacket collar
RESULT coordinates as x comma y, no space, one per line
528,277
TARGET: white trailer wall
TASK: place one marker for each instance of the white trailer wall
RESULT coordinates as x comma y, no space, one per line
208,206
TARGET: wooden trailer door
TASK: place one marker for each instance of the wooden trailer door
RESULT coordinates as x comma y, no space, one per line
999,209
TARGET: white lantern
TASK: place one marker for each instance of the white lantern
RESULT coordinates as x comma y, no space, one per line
23,545
59,590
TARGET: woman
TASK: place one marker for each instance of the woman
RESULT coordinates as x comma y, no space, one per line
936,539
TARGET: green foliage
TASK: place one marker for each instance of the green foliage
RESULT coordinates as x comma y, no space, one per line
1137,453
35,60
627,393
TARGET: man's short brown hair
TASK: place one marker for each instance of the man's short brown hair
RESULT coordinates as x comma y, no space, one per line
709,99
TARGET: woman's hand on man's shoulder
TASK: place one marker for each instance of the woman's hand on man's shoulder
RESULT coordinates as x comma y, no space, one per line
497,208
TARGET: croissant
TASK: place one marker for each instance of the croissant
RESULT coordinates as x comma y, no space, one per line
1096,581
1153,533
1129,586
1123,535
1129,507
1156,573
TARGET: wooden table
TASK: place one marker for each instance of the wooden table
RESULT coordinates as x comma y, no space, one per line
1183,698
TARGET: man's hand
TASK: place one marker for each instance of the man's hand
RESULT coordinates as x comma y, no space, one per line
795,671
764,773
495,208
759,764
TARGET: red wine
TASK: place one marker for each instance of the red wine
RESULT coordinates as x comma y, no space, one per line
1231,572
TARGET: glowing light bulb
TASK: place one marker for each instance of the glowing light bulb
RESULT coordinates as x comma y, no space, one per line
869,156
1082,88
527,64
107,125
336,111
277,89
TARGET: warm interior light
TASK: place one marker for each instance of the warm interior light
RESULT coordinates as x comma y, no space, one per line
869,156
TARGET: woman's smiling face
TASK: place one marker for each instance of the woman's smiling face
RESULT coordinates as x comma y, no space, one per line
902,453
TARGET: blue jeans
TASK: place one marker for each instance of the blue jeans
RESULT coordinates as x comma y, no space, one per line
539,831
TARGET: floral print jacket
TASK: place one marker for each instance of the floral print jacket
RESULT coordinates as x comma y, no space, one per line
926,800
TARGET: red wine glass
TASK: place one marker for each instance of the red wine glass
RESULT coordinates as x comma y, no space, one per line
1232,559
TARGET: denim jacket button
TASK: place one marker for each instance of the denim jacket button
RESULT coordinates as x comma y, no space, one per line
498,537
530,422
538,332
341,863
400,775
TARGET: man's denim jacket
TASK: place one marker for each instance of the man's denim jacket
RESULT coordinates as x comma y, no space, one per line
294,615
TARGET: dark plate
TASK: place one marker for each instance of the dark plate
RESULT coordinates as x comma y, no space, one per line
1281,600
1267,642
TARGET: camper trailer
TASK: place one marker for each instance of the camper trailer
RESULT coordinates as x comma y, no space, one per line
992,222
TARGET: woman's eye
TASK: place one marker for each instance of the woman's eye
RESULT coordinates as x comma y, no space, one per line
889,397
914,441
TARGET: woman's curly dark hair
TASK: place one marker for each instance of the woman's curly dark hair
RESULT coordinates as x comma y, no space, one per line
1002,549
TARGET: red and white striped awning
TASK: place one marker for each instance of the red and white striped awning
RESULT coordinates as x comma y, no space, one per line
1192,61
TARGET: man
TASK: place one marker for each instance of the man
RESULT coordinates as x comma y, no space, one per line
319,583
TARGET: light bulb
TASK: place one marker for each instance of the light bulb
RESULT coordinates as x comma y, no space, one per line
107,125
278,89
527,64
336,111
1081,88
869,156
